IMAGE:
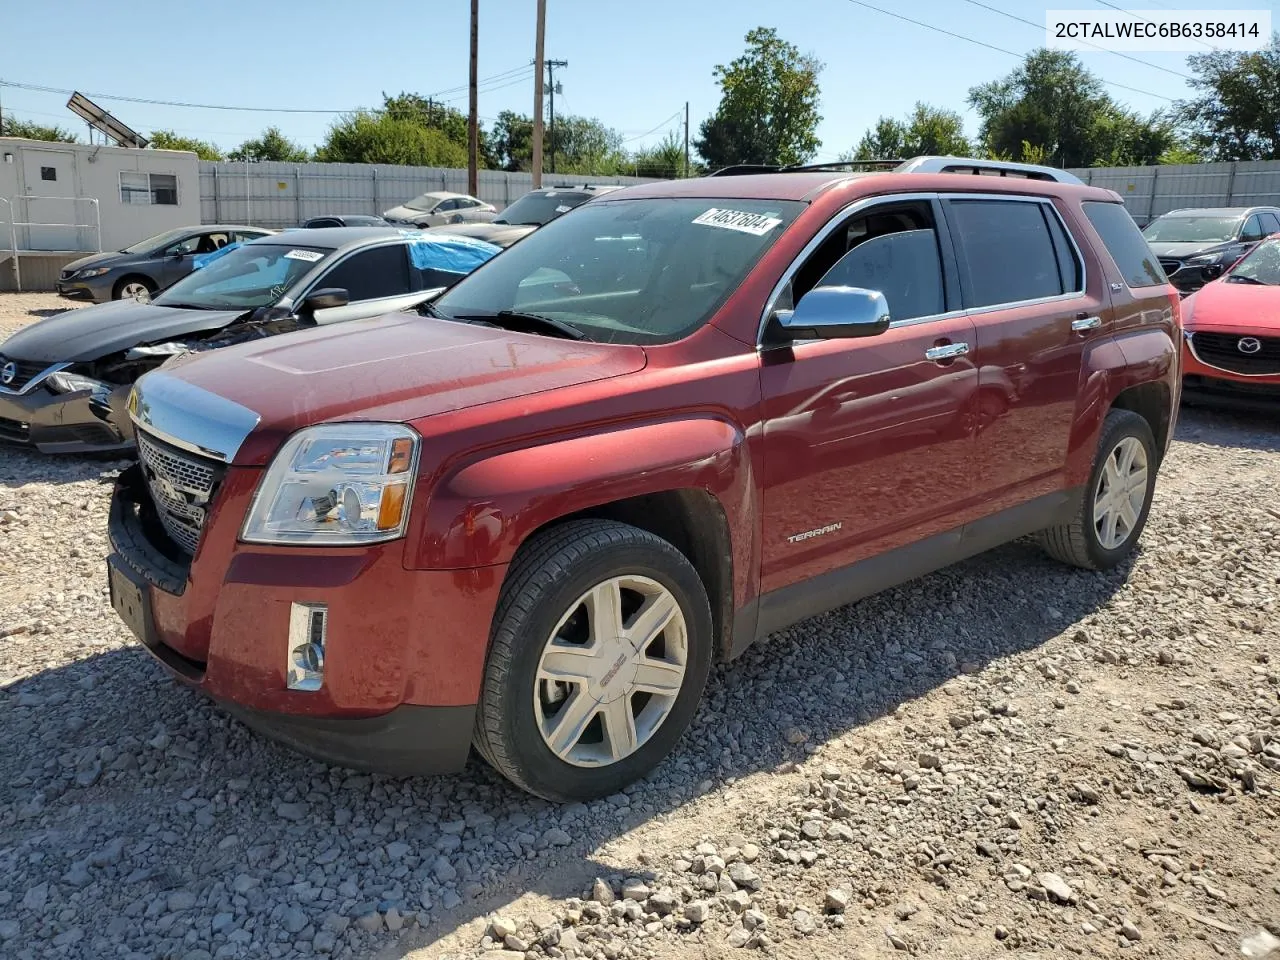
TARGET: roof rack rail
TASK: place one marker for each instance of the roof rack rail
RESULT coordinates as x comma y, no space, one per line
1001,168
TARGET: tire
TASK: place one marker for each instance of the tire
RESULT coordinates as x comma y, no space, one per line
543,602
126,283
1081,543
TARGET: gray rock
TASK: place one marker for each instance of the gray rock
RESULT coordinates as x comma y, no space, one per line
836,900
602,892
744,876
502,927
555,837
738,937
293,920
636,890
1129,931
292,811
370,922
393,920
36,897
9,929
180,900
324,942
698,911
1057,888
443,870
397,850
803,922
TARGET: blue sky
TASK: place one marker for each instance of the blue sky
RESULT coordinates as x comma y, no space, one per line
633,65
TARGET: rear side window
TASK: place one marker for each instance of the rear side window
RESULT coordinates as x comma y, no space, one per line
1008,254
1126,244
1270,224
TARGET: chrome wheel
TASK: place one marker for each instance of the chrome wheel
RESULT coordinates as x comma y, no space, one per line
611,671
1121,493
135,291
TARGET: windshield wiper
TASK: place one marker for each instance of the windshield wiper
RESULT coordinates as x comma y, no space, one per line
188,306
1241,278
514,319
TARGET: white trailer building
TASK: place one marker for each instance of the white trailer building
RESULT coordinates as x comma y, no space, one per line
60,201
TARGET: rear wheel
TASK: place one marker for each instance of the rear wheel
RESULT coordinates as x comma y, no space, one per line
131,288
1114,507
600,649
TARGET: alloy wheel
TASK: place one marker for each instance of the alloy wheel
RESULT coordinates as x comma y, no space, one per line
1121,493
134,291
611,671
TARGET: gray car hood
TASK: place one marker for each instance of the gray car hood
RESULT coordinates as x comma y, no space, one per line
90,333
501,234
97,260
1183,249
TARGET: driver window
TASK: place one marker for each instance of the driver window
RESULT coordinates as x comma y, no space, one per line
185,247
891,249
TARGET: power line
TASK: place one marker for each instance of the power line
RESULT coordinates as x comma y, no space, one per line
1040,26
39,88
641,136
989,46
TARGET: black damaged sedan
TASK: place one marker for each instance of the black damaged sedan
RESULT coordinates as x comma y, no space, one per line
64,380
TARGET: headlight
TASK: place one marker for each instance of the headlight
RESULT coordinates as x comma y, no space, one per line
336,484
1205,259
92,272
63,382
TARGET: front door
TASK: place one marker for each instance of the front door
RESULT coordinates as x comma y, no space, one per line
868,443
49,207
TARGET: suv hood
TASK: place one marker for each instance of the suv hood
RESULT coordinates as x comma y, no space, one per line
90,333
398,368
1184,249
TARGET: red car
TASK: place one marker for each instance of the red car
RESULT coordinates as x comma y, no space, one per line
1231,334
675,420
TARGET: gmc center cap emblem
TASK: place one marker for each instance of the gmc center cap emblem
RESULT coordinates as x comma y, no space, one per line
1245,345
8,373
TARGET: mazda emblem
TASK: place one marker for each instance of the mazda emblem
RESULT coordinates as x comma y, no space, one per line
1245,345
8,373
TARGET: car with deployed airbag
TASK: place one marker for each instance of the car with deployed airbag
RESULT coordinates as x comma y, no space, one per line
63,379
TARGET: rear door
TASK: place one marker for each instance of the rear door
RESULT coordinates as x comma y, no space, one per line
1024,284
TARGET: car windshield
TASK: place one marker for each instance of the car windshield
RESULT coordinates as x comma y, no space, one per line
255,275
535,209
425,202
1262,265
158,242
627,271
1192,229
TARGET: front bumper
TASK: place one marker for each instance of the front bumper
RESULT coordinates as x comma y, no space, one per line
405,649
1210,385
94,290
62,422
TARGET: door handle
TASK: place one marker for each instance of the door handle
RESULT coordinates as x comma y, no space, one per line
946,351
1081,324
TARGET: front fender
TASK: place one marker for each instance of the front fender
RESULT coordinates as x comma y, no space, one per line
481,510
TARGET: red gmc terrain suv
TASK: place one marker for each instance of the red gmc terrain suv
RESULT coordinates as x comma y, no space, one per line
668,423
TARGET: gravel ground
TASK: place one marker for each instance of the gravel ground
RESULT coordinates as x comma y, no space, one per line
1004,757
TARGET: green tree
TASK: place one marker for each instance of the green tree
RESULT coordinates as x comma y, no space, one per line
768,110
1059,109
168,140
1181,153
272,145
1237,113
437,116
584,145
11,127
928,131
664,160
365,137
511,142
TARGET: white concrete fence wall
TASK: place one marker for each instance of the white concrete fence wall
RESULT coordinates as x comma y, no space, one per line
286,194
1149,192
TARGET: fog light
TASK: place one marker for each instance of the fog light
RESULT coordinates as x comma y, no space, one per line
304,664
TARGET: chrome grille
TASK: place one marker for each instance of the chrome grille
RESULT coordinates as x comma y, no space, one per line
16,374
182,485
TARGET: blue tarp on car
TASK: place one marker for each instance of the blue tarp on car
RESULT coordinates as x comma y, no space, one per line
447,252
204,259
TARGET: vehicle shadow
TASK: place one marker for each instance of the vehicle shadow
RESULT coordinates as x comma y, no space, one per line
43,313
108,747
1204,424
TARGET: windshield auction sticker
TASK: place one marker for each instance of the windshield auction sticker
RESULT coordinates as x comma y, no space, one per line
311,256
756,224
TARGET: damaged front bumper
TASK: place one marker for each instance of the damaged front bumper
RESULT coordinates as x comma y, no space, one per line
79,421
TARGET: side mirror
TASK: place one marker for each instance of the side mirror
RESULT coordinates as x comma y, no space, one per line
832,313
324,299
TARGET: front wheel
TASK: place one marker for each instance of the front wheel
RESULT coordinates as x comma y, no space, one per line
134,288
1116,500
600,649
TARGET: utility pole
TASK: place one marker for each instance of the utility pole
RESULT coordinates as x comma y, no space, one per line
537,93
551,81
686,138
473,120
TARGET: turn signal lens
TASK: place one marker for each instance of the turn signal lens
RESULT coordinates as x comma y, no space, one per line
391,509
